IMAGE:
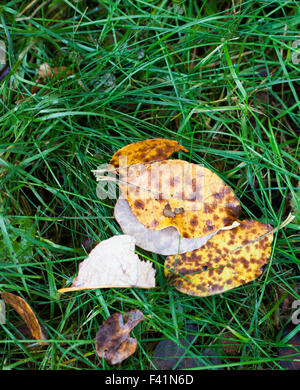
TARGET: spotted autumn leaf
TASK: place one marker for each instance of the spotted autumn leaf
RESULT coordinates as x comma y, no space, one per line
166,241
113,341
177,193
24,310
231,258
146,151
112,264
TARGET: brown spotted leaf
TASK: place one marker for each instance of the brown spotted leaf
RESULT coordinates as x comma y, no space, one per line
146,151
177,193
113,341
166,241
112,264
25,311
231,258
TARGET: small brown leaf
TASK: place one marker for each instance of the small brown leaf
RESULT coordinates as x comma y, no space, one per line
25,311
146,151
113,341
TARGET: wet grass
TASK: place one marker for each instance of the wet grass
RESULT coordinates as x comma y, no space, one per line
221,78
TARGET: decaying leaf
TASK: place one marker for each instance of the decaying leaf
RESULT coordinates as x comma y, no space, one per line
231,344
46,72
166,241
169,356
177,193
25,311
290,353
231,258
146,151
113,341
111,264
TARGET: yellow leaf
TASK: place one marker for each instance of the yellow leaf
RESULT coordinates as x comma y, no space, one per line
231,258
177,193
145,151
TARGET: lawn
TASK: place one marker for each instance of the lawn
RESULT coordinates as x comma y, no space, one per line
220,77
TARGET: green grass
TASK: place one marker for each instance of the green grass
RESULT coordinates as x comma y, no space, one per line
218,77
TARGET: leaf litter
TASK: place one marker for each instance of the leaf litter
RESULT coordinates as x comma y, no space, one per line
178,209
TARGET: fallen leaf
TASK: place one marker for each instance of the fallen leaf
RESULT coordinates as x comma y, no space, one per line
197,201
146,151
25,311
168,355
166,241
112,264
113,341
290,354
46,72
229,259
231,344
